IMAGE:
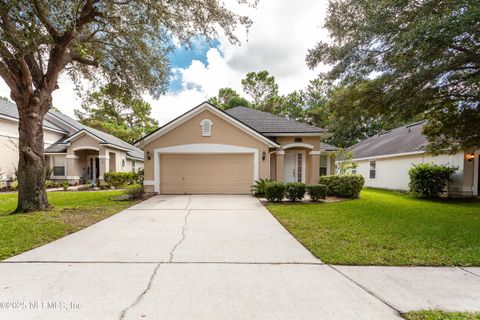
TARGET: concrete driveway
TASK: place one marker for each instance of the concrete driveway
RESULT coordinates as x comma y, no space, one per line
182,257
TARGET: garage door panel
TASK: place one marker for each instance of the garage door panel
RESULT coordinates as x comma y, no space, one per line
206,173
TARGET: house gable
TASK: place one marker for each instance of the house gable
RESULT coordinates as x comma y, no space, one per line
186,117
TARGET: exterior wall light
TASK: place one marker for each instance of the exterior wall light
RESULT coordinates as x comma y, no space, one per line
148,155
264,155
470,156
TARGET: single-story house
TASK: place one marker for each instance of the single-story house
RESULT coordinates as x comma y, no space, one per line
384,160
75,152
210,151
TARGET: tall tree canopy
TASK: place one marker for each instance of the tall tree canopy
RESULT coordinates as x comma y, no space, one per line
120,42
228,98
115,110
263,90
423,59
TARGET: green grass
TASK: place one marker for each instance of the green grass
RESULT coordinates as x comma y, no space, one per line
71,212
440,315
387,228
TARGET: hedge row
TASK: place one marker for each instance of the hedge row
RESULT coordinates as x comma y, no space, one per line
343,186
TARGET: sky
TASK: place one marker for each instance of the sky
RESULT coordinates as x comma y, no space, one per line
282,33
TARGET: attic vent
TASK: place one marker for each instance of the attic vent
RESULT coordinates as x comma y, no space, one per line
298,140
206,127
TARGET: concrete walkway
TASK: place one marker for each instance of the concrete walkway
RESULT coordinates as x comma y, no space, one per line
210,257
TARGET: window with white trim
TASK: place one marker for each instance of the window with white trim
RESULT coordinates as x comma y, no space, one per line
323,165
373,169
59,166
206,125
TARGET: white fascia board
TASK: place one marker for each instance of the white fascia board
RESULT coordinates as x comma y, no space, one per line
79,133
12,119
206,106
393,155
113,146
135,158
298,144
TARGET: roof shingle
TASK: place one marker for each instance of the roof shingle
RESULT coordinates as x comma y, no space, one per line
404,139
267,123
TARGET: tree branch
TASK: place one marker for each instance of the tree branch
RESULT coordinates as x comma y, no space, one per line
83,60
42,16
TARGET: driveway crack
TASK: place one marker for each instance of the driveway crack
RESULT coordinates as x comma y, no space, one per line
144,292
184,229
152,277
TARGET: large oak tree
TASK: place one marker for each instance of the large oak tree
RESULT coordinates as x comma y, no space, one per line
409,59
124,42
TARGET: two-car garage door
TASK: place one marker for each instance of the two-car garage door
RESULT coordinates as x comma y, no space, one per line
206,173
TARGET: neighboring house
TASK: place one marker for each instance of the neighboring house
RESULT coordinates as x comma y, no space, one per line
207,150
384,160
75,152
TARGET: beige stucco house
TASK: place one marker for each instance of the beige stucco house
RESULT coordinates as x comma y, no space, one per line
75,152
210,151
384,160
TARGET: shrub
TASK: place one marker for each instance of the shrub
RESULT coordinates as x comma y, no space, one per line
139,176
14,185
65,185
119,179
295,190
50,184
428,179
275,191
344,186
134,190
258,188
317,191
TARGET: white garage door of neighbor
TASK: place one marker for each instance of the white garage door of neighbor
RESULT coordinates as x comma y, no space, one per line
206,173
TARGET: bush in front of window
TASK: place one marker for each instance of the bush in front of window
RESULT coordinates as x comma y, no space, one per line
275,191
317,192
119,179
343,186
429,180
295,191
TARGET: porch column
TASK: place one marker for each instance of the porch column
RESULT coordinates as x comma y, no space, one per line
279,165
314,167
72,167
104,161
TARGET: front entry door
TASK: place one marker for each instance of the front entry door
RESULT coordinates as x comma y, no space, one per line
93,166
294,166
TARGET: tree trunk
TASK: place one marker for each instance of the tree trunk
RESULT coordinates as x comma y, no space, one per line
32,195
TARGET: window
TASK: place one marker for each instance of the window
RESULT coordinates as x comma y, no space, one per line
323,165
123,163
133,166
206,127
299,167
59,166
373,169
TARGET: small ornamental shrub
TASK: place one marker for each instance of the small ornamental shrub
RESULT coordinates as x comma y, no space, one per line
258,189
428,179
343,186
14,185
295,190
65,186
134,190
275,191
317,192
50,184
119,179
139,176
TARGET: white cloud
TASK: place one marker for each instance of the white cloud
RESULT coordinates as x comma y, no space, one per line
278,41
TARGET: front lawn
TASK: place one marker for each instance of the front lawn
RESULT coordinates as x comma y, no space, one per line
71,212
387,228
440,315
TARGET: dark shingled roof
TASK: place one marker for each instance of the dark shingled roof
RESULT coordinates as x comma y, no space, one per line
404,139
327,147
267,123
10,110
